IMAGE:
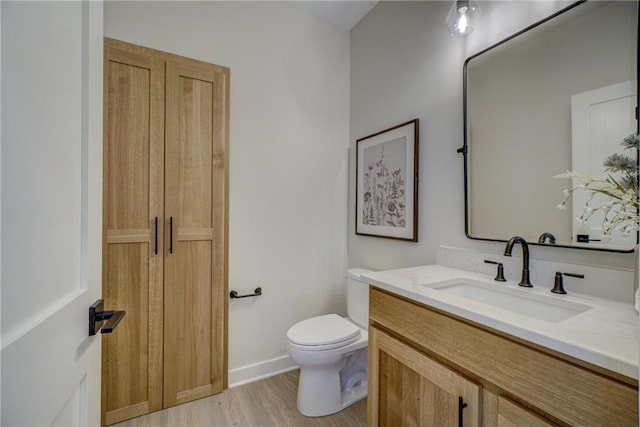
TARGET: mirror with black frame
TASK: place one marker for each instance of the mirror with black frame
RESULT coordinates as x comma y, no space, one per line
558,96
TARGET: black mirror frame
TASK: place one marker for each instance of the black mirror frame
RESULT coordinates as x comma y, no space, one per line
464,150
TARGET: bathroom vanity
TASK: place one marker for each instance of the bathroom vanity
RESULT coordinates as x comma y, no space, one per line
440,355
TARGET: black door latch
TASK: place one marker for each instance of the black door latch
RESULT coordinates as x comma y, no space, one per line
98,316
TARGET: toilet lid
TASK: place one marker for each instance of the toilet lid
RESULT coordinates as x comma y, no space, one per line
322,330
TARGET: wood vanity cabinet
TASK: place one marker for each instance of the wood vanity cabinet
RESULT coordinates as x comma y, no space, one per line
415,390
430,368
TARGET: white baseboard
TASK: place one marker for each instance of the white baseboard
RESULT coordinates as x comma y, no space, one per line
259,371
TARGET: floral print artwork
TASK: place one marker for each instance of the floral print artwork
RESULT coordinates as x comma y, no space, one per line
384,190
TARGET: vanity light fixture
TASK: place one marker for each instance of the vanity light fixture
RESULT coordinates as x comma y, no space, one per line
459,18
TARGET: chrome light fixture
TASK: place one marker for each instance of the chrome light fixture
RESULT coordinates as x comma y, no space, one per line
460,16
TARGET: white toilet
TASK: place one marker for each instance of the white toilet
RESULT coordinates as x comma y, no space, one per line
331,352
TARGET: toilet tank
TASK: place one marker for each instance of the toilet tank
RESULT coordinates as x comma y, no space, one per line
358,297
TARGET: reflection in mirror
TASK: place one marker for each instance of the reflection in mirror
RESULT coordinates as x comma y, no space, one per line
558,96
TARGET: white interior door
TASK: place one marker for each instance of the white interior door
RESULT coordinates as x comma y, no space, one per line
51,200
601,119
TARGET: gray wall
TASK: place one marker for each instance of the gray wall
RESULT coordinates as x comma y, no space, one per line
405,65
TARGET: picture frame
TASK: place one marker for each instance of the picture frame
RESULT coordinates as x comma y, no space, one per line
387,183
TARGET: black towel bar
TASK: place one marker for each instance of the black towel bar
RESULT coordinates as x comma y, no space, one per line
257,292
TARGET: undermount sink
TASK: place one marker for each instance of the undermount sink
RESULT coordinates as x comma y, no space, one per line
541,307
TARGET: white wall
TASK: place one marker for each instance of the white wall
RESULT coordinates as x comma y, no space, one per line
289,157
404,64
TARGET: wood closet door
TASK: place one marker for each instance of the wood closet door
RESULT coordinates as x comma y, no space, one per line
133,198
195,219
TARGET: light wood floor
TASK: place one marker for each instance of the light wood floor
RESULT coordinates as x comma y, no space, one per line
270,402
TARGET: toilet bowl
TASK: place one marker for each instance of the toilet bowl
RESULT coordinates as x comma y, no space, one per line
331,352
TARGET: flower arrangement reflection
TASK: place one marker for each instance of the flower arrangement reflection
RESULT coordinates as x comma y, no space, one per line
615,195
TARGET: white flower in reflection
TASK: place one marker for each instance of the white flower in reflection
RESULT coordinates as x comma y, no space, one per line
619,187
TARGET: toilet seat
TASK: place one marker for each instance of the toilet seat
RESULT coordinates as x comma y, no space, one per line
323,333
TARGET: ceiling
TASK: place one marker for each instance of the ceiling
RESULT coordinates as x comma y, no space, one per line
345,14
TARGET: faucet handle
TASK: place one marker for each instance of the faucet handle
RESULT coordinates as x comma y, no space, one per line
500,273
558,286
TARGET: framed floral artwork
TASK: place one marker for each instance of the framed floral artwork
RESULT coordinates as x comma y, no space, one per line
387,183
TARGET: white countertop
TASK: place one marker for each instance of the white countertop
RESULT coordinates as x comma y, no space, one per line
605,335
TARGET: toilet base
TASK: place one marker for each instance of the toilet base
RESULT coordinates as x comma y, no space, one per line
320,403
325,390
354,395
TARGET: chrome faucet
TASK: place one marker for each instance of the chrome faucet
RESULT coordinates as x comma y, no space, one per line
524,281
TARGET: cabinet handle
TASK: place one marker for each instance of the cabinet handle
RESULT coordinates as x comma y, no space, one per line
155,239
461,406
170,235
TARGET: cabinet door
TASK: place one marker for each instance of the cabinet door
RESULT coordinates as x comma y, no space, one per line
407,388
195,280
512,415
133,202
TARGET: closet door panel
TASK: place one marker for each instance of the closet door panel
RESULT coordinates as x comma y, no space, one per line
133,197
126,385
194,159
188,373
129,148
195,202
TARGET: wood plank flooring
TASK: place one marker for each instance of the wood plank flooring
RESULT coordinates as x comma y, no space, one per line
265,403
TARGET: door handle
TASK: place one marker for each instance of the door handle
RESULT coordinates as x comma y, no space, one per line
98,316
170,235
155,239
